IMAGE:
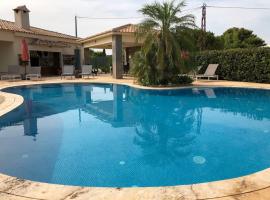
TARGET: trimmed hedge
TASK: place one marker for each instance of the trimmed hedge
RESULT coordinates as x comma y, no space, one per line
251,65
102,62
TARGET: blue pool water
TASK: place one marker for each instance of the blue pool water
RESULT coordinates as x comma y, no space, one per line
116,136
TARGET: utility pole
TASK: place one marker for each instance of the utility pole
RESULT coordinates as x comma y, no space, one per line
77,51
76,26
204,17
203,28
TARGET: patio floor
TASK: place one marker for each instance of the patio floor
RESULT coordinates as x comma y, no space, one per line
1,99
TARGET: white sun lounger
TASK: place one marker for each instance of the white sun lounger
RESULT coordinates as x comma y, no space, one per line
33,73
86,71
210,72
68,70
13,73
192,73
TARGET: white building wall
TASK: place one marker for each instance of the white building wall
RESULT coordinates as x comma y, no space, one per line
10,47
6,55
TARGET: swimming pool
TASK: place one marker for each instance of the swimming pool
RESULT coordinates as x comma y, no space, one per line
107,135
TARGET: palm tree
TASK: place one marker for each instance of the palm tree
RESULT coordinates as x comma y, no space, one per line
158,31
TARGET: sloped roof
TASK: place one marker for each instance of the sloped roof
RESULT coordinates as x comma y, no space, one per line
128,28
11,26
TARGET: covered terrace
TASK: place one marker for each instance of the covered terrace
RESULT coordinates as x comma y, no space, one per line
121,40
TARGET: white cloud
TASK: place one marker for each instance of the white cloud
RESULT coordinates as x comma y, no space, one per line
58,15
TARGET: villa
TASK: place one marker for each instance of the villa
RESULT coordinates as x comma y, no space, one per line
48,49
52,50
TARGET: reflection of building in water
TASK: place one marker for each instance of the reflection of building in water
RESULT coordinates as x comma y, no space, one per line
29,122
30,127
112,107
117,105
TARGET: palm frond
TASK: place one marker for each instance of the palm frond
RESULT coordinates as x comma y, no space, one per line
160,33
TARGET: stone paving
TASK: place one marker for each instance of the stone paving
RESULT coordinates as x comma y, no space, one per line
253,187
2,99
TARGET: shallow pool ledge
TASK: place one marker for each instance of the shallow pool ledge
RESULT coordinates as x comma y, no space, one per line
255,186
10,102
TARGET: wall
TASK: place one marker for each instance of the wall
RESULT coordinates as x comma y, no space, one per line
7,55
10,47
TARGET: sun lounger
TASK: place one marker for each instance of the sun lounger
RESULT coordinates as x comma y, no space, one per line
13,73
33,73
192,73
86,71
210,72
68,70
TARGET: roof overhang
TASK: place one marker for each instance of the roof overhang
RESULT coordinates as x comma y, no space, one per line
104,40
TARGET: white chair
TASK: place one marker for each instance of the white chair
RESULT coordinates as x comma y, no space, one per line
68,70
33,73
13,73
210,72
86,71
192,73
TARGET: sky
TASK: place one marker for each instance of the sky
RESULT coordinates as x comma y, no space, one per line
58,15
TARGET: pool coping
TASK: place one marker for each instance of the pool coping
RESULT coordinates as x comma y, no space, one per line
11,186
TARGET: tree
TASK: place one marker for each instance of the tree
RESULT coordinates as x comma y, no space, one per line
99,59
241,38
192,40
159,31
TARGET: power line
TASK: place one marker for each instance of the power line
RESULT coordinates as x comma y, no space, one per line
192,9
108,18
123,18
239,7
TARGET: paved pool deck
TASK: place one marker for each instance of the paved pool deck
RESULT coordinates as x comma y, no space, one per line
253,187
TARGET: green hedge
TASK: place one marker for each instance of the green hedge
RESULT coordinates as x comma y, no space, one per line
102,62
251,65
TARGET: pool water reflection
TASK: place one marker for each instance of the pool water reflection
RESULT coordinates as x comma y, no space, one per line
115,136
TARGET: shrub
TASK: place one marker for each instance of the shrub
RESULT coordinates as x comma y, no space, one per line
144,69
182,80
251,65
102,62
146,73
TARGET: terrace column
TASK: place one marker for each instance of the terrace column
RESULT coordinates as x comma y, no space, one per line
117,56
86,56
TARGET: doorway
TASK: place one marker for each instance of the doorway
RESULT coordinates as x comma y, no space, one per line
48,61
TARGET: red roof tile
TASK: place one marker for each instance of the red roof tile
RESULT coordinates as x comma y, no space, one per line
128,28
11,26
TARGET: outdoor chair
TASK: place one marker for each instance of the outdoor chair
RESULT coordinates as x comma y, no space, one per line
209,73
192,73
68,70
13,73
86,71
33,73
